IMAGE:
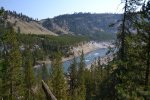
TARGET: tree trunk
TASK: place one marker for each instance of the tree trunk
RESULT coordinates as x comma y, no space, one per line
48,92
147,67
123,34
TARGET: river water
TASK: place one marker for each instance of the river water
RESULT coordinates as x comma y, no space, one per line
89,57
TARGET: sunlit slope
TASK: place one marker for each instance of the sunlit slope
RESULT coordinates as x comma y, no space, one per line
31,27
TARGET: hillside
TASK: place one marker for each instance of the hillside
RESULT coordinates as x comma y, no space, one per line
29,27
25,24
94,25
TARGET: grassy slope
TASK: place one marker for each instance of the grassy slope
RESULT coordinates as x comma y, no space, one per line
29,27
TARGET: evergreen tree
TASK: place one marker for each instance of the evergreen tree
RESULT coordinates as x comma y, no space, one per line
58,81
39,91
29,74
100,67
12,73
73,79
127,25
145,38
4,67
81,79
130,70
90,82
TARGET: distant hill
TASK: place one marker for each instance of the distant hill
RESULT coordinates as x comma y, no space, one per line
25,24
93,25
31,27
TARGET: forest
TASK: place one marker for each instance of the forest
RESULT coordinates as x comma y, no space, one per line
126,77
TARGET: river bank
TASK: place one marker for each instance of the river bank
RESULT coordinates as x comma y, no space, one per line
86,47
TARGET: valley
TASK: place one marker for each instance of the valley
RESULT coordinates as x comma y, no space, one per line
75,50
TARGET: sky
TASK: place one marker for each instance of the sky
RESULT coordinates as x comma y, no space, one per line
50,8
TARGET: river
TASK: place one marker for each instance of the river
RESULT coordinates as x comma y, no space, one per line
89,57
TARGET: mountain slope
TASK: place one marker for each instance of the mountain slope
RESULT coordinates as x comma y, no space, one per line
83,24
52,26
31,27
95,26
24,24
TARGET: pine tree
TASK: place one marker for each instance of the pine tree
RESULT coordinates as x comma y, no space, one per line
12,73
58,81
144,37
129,16
29,74
73,79
39,92
100,67
4,29
130,72
81,79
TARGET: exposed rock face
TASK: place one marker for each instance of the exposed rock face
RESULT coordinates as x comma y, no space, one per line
83,23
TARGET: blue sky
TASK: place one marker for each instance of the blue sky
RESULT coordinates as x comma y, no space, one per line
49,8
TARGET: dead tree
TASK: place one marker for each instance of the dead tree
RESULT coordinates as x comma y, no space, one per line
47,91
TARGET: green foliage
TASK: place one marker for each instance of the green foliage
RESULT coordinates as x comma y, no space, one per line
124,78
11,71
73,72
47,46
29,74
58,81
133,69
102,36
81,79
